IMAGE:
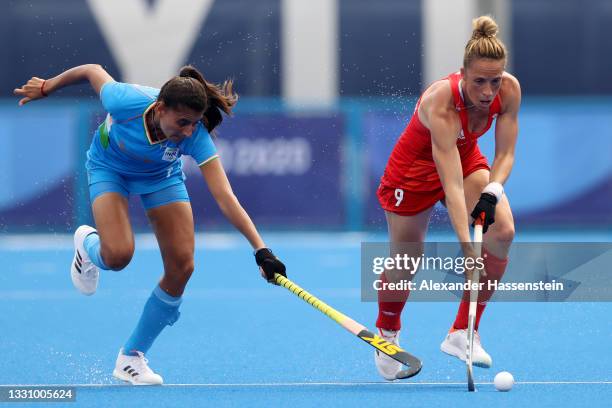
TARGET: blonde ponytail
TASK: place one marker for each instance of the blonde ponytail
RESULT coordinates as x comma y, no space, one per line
484,42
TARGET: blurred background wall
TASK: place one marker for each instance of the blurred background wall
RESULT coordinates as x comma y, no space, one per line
326,88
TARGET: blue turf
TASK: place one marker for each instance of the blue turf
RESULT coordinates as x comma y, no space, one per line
236,331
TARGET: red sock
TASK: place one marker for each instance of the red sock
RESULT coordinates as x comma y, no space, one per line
495,268
461,321
390,306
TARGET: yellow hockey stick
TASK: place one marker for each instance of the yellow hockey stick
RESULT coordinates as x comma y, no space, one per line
395,352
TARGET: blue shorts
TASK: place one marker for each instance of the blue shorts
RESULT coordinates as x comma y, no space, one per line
153,193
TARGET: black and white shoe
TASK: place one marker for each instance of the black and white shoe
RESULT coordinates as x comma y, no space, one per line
135,370
84,273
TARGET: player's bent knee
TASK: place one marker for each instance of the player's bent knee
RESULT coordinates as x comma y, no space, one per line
117,259
506,233
186,270
503,232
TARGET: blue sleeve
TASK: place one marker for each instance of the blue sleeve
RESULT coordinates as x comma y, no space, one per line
123,100
200,146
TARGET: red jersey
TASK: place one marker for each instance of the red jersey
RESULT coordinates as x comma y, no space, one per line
411,165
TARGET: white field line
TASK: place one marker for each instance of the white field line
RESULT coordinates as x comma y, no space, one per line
311,384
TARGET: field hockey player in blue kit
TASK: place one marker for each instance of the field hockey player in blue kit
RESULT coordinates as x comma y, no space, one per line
137,150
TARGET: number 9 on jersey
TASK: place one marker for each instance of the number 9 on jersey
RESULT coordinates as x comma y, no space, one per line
399,196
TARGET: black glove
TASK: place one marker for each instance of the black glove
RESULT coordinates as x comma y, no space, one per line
269,264
486,204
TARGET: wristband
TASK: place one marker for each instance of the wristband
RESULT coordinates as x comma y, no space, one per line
42,89
495,189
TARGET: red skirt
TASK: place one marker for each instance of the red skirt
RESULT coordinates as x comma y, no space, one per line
426,191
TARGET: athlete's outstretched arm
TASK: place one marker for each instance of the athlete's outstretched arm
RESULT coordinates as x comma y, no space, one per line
222,192
506,131
220,188
37,88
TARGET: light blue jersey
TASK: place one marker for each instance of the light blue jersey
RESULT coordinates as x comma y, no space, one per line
123,145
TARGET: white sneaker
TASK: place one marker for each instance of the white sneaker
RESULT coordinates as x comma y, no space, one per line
387,367
135,370
83,272
455,344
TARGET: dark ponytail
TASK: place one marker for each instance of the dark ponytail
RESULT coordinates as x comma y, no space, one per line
190,89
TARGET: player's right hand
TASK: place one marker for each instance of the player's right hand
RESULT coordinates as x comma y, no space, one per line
30,91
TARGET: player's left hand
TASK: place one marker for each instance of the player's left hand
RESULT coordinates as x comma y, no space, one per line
487,205
269,264
30,91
